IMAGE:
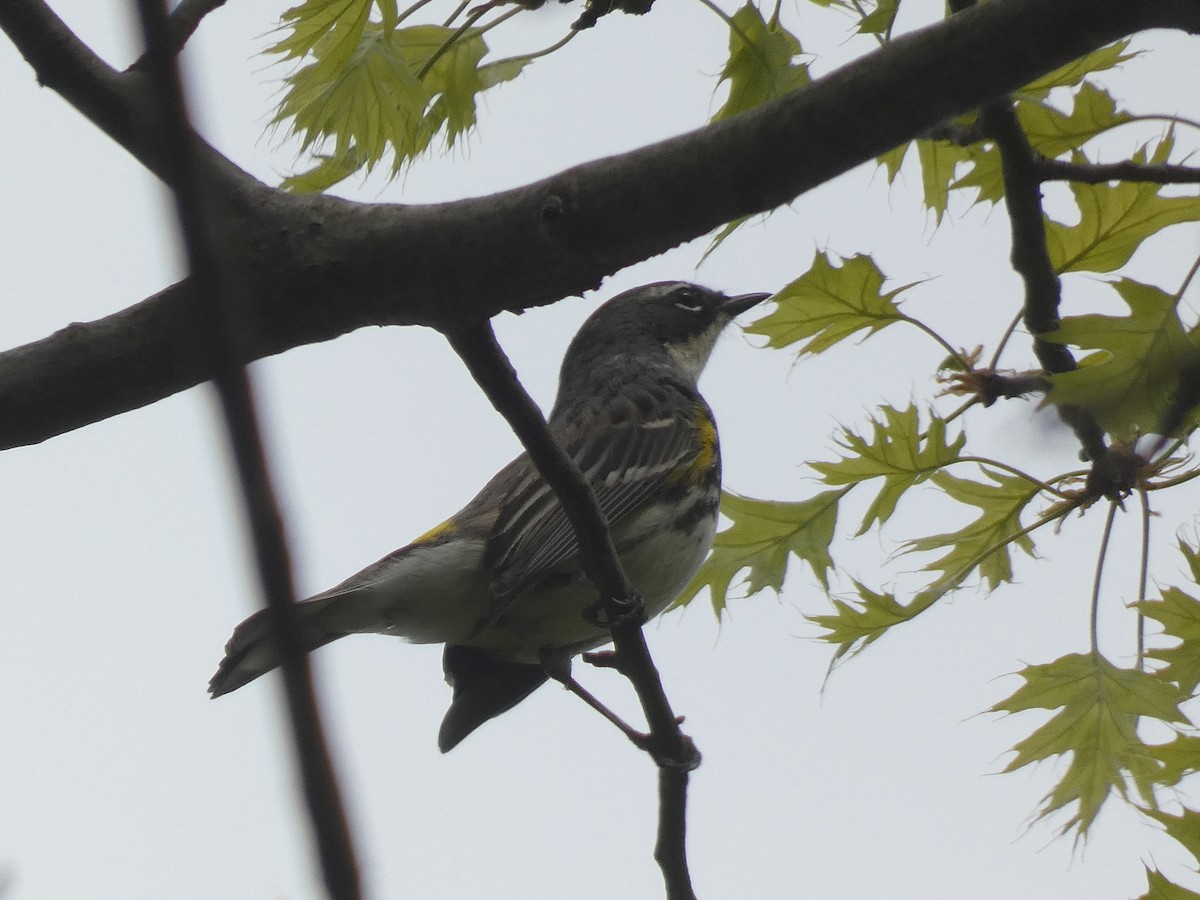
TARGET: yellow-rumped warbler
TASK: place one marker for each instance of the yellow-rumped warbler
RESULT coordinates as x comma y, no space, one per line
500,582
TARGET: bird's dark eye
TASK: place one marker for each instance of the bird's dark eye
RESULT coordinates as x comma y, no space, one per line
688,299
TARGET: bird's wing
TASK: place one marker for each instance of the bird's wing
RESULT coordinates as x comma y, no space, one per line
635,457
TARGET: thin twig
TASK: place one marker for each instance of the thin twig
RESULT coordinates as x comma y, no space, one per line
1098,173
1143,576
1094,616
483,357
214,312
1004,339
462,29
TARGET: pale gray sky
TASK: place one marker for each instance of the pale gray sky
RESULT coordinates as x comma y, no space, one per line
124,565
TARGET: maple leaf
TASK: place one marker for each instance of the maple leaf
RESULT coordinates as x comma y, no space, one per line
763,534
939,167
1179,615
828,304
1130,383
1053,133
939,161
1184,828
1115,219
1073,73
761,63
328,171
857,623
984,544
1098,709
1179,757
383,94
1050,132
985,175
328,28
881,19
1159,887
897,452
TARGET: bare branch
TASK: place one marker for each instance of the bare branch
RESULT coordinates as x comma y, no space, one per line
182,24
214,311
118,103
186,18
1030,259
674,753
1127,170
320,267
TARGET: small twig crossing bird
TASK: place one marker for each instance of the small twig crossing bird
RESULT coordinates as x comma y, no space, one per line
500,583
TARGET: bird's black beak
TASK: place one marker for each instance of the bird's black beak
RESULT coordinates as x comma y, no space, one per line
735,306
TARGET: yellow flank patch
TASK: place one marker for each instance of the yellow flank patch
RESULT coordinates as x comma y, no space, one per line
706,438
436,532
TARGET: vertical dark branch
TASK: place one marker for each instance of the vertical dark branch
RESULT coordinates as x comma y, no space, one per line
673,751
1031,260
214,317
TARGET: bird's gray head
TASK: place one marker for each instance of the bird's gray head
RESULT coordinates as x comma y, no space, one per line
678,318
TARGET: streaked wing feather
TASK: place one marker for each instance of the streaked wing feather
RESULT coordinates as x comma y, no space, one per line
533,536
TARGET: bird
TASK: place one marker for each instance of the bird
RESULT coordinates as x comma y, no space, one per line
500,583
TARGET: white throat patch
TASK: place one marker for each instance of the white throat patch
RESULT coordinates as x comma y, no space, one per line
691,356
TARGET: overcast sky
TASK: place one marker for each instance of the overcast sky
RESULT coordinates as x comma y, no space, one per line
124,563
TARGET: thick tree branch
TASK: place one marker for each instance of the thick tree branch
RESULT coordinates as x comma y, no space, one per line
320,267
674,752
216,318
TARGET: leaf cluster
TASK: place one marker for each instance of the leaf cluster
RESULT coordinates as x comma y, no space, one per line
1135,376
366,86
369,87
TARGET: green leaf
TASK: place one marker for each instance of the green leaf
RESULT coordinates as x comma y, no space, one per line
1192,556
856,624
985,175
1159,887
1180,757
893,160
459,77
372,102
720,236
1184,828
330,28
1130,382
761,63
896,452
1179,615
1098,708
389,15
1053,133
881,19
828,304
330,170
1075,72
1115,219
939,168
762,537
875,16
986,543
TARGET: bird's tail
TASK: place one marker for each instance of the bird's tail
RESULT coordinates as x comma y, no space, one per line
252,651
